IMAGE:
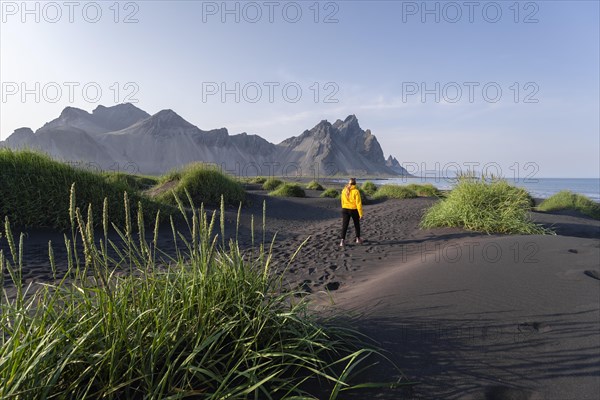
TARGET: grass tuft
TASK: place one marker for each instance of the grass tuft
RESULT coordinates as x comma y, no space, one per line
172,175
394,192
34,190
257,180
272,183
369,188
425,190
288,190
332,193
566,200
205,184
314,185
134,183
484,206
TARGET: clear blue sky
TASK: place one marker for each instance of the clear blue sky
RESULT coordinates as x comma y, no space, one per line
373,59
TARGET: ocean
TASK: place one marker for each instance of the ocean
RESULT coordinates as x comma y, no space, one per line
538,187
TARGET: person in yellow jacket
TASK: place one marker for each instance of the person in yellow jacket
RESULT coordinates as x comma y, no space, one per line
351,208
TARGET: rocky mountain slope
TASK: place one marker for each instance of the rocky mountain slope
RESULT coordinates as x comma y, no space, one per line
125,137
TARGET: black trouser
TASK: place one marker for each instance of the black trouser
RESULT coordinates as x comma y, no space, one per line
346,214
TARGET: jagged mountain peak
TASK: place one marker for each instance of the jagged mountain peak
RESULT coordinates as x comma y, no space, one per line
119,111
157,143
349,128
119,116
128,107
395,166
19,137
323,125
166,113
351,118
170,116
23,131
73,112
71,117
323,130
164,123
101,120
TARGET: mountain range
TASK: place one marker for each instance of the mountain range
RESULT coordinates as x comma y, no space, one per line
124,137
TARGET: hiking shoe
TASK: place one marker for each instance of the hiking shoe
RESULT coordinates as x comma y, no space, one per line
342,244
359,241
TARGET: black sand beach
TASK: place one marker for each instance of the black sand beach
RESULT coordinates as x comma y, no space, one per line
466,315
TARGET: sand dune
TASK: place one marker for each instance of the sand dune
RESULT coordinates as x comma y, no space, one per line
468,316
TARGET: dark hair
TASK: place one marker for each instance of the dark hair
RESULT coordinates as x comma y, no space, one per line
353,181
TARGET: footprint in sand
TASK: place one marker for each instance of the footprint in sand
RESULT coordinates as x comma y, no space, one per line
305,286
331,286
346,266
508,393
324,277
539,327
592,273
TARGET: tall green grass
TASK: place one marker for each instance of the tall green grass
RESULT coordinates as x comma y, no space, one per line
257,180
272,183
314,185
133,183
34,191
205,183
425,190
391,191
332,193
369,188
566,200
485,206
288,190
207,323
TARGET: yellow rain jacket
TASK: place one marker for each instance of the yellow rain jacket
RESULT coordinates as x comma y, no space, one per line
352,199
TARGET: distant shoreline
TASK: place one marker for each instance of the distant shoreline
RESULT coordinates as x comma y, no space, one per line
537,189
